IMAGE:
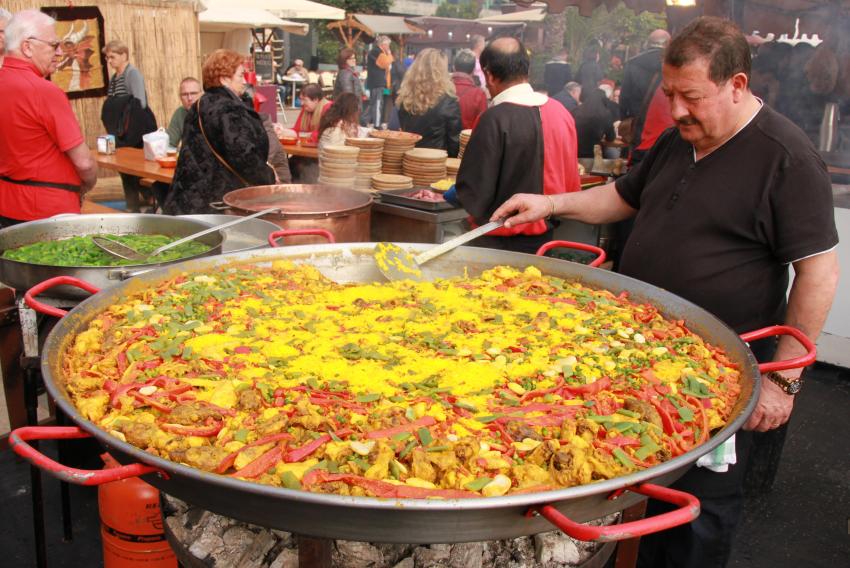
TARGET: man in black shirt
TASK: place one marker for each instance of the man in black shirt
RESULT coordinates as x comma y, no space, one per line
723,204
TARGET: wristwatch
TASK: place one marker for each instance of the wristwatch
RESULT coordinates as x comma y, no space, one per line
788,386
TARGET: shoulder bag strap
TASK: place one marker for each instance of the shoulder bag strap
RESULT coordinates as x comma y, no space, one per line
216,154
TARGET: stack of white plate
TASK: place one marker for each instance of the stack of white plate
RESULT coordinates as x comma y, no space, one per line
368,160
395,145
425,165
338,165
464,139
387,182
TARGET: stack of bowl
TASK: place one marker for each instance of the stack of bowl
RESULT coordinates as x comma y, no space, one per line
338,165
387,182
368,160
395,145
464,138
425,165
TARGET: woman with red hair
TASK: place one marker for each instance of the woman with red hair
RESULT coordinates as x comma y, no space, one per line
225,146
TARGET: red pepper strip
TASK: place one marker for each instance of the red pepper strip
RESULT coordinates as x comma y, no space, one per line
121,390
202,431
382,488
261,465
503,434
299,454
592,388
122,362
623,441
172,393
666,421
536,407
227,462
222,410
409,427
150,402
542,392
152,364
696,404
336,402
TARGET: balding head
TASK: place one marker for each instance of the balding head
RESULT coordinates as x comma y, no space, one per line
505,62
659,38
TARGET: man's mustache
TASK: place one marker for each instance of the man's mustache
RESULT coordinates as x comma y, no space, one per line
686,121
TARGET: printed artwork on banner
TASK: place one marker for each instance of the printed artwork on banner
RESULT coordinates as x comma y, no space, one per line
82,65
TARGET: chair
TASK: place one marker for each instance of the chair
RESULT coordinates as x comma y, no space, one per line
327,80
280,109
312,77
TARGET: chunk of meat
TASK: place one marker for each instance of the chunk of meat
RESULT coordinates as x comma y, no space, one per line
646,410
206,458
422,468
570,466
520,431
531,475
249,400
542,454
466,449
140,434
445,461
192,413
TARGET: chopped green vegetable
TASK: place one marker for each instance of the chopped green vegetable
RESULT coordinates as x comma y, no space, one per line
425,436
478,484
289,480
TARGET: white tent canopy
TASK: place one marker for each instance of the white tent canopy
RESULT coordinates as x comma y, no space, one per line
299,9
223,16
533,15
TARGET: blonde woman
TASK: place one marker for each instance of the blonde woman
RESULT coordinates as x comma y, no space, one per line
427,104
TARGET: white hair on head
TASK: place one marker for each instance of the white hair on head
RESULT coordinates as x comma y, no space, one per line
607,89
5,14
25,24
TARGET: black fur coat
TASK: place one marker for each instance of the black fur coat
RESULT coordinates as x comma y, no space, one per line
237,134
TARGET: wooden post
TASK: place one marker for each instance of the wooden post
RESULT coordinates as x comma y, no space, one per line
314,552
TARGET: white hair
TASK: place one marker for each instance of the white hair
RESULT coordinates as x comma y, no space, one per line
607,89
5,14
25,24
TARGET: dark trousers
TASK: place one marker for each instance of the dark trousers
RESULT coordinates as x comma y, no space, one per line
132,189
707,541
9,222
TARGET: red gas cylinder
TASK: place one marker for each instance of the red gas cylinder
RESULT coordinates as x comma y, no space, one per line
131,524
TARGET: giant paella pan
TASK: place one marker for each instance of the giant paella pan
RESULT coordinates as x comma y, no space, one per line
398,517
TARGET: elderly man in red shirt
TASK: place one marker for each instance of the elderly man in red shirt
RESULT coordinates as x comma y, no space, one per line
45,165
471,97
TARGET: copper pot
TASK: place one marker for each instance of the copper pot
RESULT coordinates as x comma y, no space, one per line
344,212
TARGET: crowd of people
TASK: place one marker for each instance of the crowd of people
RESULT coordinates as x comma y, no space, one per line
704,227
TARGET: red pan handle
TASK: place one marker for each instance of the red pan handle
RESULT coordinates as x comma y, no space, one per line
296,232
29,296
573,245
688,511
794,363
18,442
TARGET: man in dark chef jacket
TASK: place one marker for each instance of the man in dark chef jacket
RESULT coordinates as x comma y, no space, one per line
723,203
526,142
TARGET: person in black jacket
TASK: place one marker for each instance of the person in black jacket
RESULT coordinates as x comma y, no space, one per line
126,114
225,146
641,77
590,72
557,73
427,104
378,79
593,121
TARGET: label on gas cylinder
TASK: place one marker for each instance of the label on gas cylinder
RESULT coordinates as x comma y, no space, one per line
156,537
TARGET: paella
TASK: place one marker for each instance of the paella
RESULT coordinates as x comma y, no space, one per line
510,382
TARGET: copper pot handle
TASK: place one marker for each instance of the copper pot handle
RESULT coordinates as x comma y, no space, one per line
18,441
688,511
274,236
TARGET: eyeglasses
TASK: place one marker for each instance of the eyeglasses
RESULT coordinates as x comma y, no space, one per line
54,45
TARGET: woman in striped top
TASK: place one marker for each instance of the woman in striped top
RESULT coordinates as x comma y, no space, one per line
125,84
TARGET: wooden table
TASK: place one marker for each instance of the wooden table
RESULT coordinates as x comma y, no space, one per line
302,151
132,161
